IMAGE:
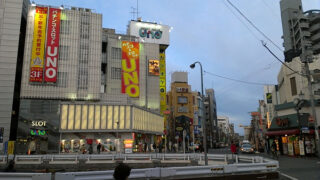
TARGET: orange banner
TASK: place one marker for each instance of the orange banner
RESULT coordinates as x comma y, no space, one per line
130,69
39,37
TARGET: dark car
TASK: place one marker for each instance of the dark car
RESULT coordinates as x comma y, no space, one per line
246,148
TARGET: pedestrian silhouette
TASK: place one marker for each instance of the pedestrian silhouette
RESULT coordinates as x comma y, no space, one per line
122,172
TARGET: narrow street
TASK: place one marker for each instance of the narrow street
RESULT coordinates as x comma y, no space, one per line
290,167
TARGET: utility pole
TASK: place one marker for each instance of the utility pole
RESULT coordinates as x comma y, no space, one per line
313,108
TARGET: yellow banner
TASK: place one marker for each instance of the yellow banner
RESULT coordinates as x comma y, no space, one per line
10,147
38,44
162,82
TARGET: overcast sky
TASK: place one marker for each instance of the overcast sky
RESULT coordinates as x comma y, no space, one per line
208,31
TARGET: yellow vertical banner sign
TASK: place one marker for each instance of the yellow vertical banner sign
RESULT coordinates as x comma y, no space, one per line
38,44
10,147
162,85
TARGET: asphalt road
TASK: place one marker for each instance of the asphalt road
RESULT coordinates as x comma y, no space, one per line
294,168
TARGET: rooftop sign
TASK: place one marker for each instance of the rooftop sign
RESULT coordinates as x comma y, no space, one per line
150,32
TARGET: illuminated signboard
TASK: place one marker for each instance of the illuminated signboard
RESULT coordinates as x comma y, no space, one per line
39,33
154,68
130,69
37,132
150,32
52,49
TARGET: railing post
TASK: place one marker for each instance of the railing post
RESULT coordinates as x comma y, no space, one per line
252,159
225,158
237,161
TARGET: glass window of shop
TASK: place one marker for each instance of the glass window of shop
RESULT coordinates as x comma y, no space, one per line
38,127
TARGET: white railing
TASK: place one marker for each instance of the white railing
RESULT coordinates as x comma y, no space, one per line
129,158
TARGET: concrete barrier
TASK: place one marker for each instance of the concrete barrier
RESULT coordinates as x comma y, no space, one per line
25,176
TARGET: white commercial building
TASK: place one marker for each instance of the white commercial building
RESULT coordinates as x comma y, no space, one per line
83,84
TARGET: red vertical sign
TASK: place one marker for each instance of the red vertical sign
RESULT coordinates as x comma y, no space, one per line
52,49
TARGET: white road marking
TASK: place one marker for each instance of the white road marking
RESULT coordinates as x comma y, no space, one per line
287,176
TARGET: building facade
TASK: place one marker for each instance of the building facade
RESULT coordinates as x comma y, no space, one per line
95,86
292,126
301,32
13,18
181,102
212,120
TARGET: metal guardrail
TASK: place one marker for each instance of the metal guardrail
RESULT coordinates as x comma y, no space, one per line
110,158
241,164
25,176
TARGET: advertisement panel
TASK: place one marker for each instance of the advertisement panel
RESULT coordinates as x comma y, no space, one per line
150,32
162,85
130,69
154,69
39,37
52,49
10,147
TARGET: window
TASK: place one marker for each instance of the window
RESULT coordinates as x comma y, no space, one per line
104,47
83,79
63,53
64,26
115,73
62,79
182,99
84,56
116,53
293,86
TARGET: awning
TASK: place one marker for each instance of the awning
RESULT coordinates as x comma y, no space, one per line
287,132
312,131
283,132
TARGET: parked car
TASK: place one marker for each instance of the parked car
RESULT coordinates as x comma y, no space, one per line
246,148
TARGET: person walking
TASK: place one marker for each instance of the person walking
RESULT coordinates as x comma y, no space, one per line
99,148
233,149
274,150
145,147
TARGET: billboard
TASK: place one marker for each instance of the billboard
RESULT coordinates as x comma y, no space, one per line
269,98
154,68
37,56
52,49
130,69
150,32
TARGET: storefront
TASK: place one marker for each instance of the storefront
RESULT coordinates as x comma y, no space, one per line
292,136
54,126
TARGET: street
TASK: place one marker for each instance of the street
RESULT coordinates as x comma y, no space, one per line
290,167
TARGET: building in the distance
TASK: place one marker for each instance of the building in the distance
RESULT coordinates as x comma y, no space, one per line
83,84
181,102
13,19
212,120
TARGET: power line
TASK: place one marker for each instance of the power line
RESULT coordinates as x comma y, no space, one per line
237,80
241,21
253,25
265,45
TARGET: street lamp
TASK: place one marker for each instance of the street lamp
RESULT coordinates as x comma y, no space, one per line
203,114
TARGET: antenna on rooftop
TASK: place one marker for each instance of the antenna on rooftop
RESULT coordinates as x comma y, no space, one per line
133,12
137,9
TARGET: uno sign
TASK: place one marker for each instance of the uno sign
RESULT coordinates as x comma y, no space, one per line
130,69
51,64
38,123
153,33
